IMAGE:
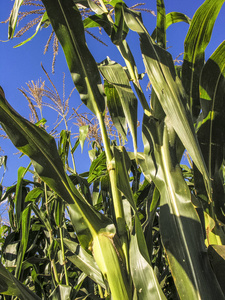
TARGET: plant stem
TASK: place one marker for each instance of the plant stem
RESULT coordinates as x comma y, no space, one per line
100,291
63,256
51,238
117,200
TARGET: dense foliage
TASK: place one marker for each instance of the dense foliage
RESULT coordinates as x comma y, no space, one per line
136,225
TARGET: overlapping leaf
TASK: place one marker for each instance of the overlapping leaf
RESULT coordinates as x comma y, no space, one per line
9,285
196,41
168,88
41,148
115,75
211,127
180,226
68,26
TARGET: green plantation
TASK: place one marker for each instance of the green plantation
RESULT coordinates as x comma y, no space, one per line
136,225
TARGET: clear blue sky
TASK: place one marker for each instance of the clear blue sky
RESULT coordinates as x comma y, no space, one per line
20,65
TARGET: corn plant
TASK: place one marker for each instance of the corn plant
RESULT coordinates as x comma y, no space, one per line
153,238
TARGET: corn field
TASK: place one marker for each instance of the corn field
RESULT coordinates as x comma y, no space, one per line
135,225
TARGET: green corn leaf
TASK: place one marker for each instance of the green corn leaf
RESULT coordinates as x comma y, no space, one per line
161,24
80,227
36,31
168,88
19,201
217,259
64,146
84,261
98,21
83,132
61,292
196,41
210,130
34,194
25,225
41,148
115,75
83,184
120,29
122,175
9,285
144,278
176,17
180,226
13,18
95,7
115,109
98,168
68,27
172,18
108,254
58,211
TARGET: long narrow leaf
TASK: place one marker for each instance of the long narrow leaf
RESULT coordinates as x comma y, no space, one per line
41,148
9,285
68,26
115,75
13,17
180,226
84,261
210,130
168,88
196,41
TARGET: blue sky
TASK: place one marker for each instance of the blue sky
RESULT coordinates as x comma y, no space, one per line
23,64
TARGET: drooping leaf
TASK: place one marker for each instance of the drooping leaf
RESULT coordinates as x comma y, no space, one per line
169,90
41,148
9,285
115,75
84,261
120,29
172,18
68,27
98,21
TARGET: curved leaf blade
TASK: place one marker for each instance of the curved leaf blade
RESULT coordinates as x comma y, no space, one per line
13,18
180,226
167,86
115,75
84,261
196,41
41,148
210,130
68,26
9,285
